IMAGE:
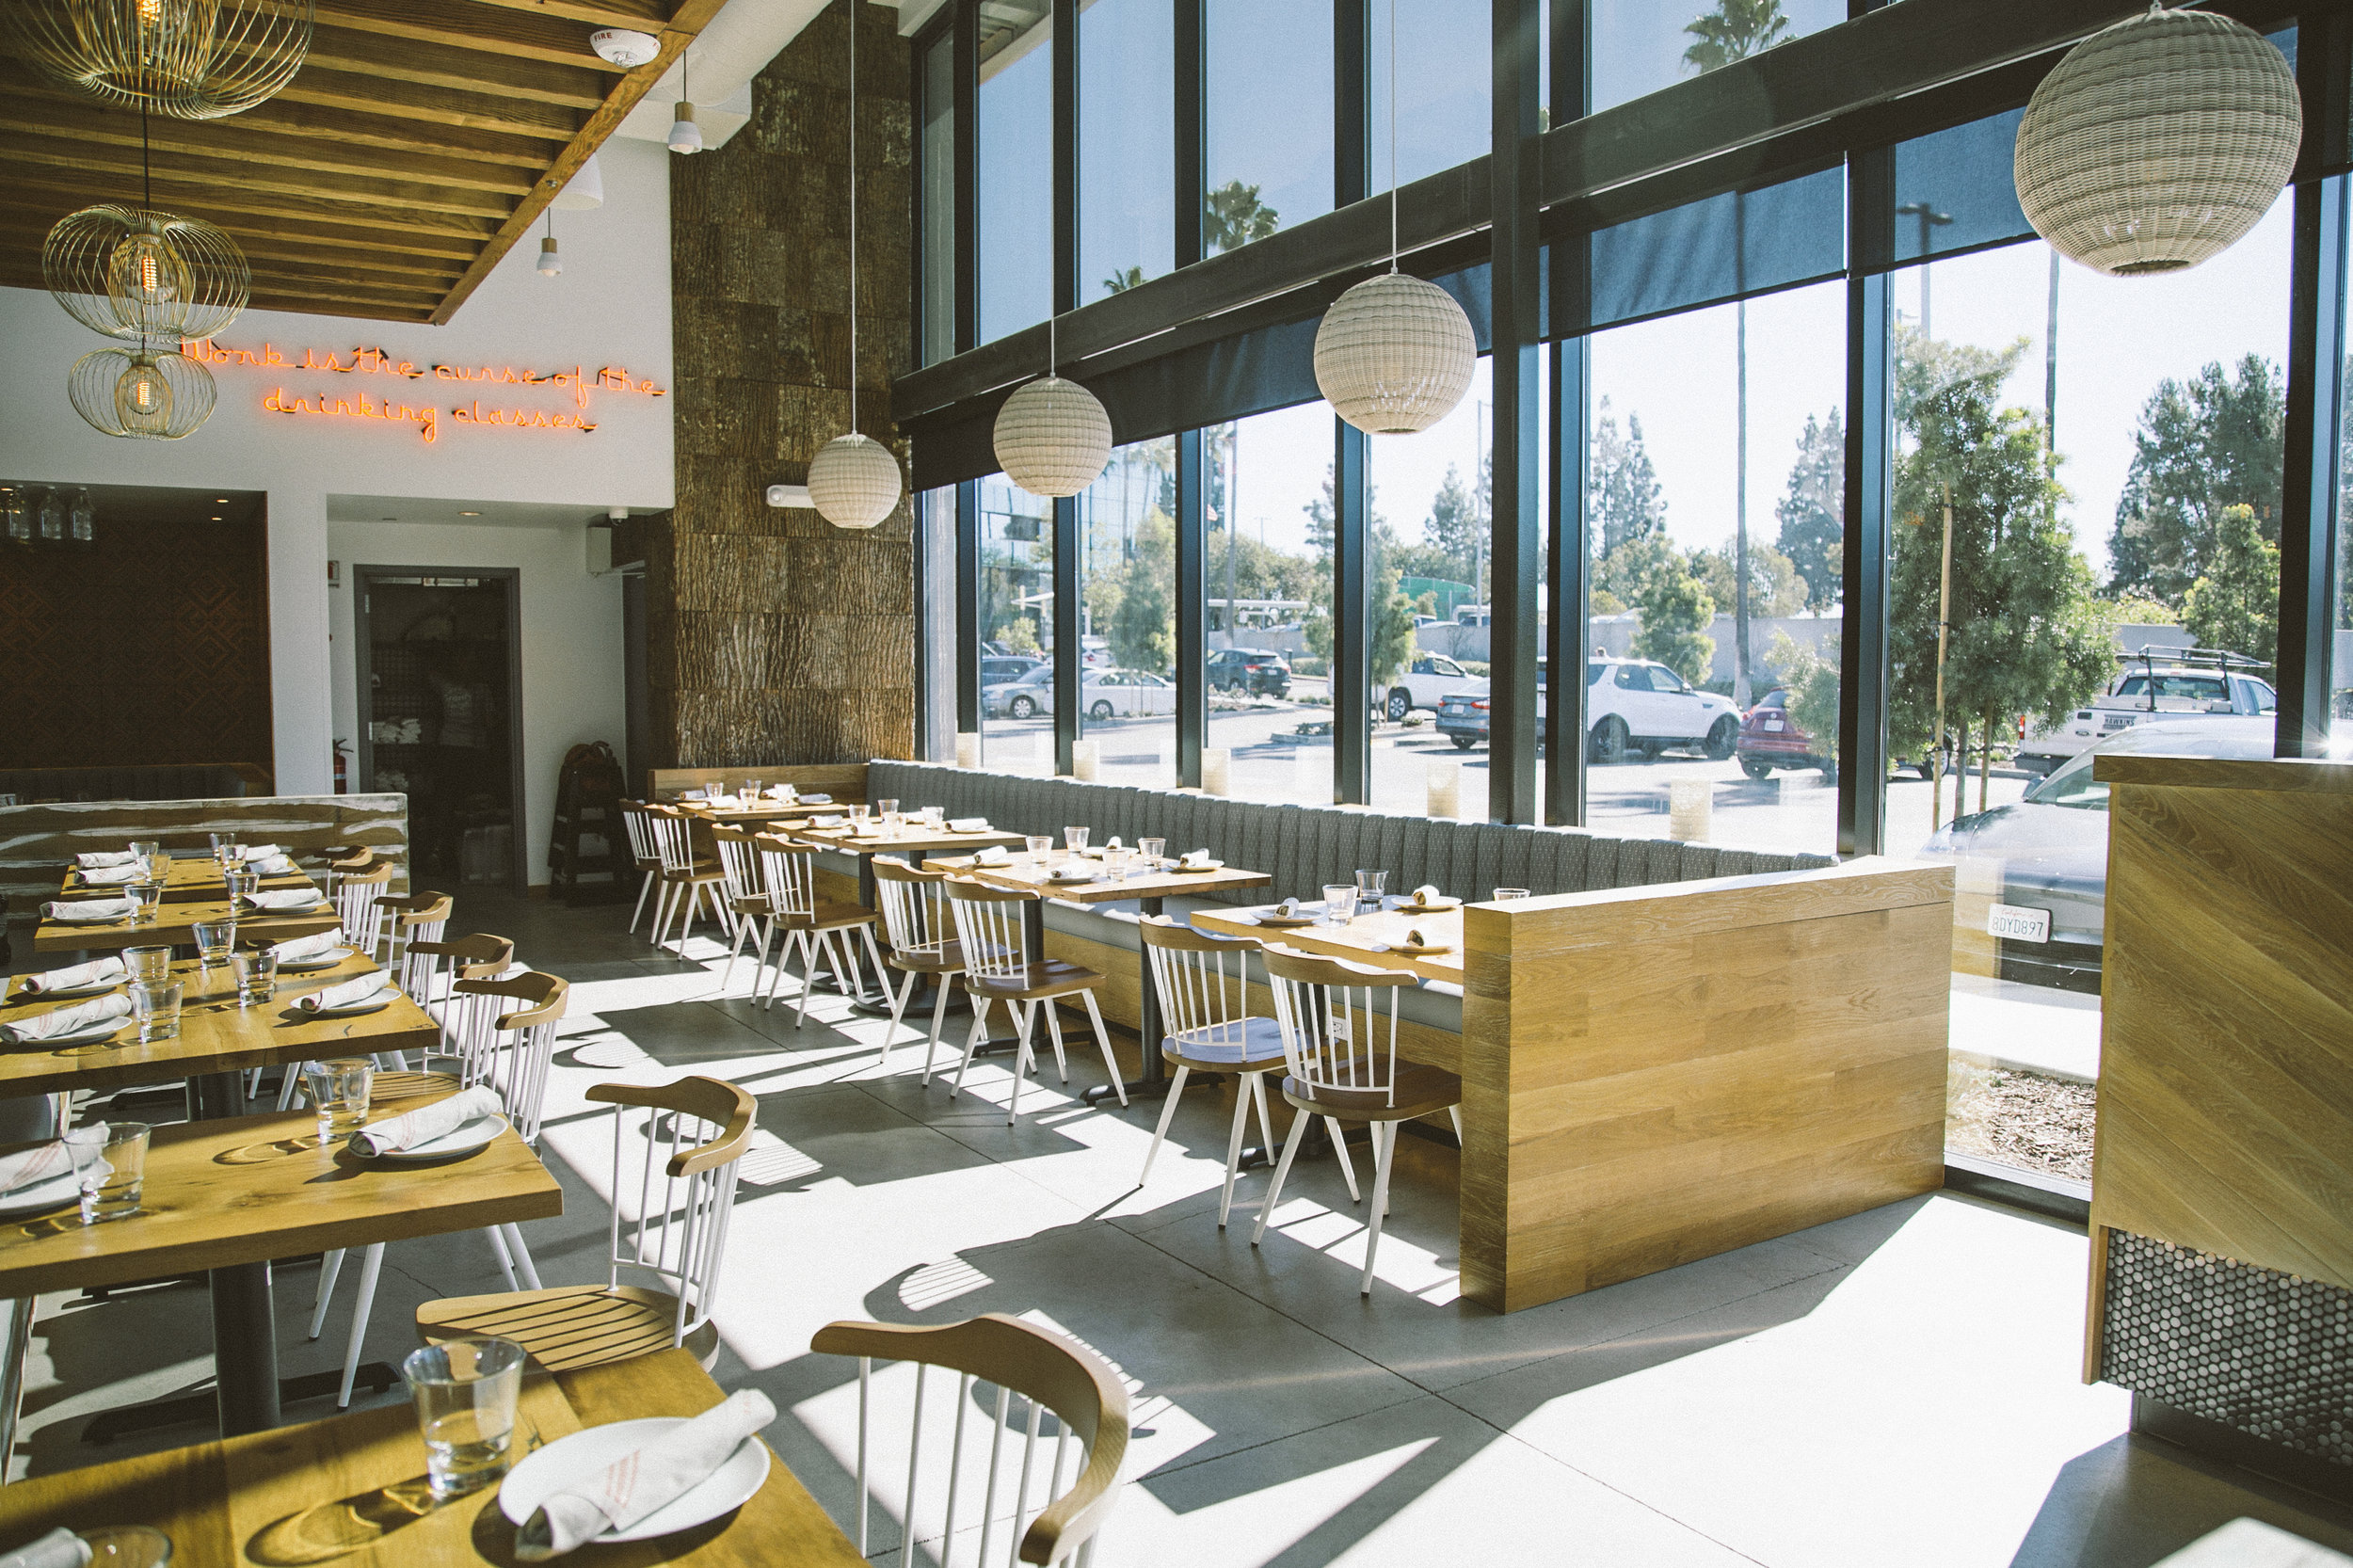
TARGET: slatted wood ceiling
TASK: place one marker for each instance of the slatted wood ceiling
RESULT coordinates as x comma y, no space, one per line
420,141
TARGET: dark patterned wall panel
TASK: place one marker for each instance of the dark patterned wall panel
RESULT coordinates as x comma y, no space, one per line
773,636
152,647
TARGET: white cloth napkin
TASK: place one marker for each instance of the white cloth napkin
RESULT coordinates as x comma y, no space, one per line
1194,860
59,1548
89,911
97,859
723,803
1288,908
309,947
423,1126
74,976
347,993
993,855
284,902
1417,937
112,876
968,825
260,852
1427,894
827,822
66,1021
778,792
1070,871
271,865
814,800
39,1163
633,1486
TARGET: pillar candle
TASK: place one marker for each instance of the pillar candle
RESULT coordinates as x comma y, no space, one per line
1083,760
1444,789
1217,771
968,748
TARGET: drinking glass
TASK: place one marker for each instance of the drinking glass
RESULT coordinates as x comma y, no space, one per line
933,817
147,848
145,896
1340,904
1116,865
339,1087
155,1007
225,850
1074,839
1039,846
1505,895
256,969
465,1391
158,866
751,791
886,809
1152,850
1369,886
214,938
110,1159
241,883
857,817
147,964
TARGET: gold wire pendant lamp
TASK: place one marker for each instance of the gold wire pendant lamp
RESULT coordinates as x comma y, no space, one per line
146,393
129,272
192,59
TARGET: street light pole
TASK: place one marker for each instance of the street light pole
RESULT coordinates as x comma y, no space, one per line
1929,218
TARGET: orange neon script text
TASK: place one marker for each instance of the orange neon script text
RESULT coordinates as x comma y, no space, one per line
426,418
521,418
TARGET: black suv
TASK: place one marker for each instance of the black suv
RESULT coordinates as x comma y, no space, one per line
1261,672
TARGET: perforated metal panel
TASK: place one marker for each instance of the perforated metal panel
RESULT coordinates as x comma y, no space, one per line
2264,1353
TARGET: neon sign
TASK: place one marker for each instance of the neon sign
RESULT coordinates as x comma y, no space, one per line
364,361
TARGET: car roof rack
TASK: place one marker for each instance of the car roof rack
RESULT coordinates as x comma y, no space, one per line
2197,657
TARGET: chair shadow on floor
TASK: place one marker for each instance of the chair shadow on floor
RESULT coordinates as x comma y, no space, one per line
2133,1501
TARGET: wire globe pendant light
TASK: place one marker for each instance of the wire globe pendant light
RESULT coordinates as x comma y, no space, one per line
192,59
145,392
1395,354
131,272
1052,437
854,479
2158,143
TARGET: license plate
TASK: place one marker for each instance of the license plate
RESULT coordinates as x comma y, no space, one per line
2015,923
1774,725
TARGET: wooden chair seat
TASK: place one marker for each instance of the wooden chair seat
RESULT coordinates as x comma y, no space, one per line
1420,1091
946,958
830,917
1240,1045
754,904
1050,977
569,1325
701,871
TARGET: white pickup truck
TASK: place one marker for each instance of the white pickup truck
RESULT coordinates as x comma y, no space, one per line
2169,683
1428,681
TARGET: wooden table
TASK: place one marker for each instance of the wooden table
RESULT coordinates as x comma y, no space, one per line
229,1194
350,1489
191,878
913,841
173,927
216,1037
1365,940
1146,890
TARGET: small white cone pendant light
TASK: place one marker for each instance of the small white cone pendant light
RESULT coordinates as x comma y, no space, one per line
2158,143
1052,437
854,480
1395,354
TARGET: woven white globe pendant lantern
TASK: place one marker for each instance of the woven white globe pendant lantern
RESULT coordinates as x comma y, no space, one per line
854,479
2158,143
1395,355
1052,437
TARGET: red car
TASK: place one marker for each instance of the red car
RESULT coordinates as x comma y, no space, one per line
1771,739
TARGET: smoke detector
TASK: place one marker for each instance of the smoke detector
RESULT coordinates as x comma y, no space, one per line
621,46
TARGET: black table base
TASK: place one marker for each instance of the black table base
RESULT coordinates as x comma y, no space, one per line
245,1321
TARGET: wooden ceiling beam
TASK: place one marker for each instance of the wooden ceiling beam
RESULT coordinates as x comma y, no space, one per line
644,16
465,70
441,254
40,187
465,24
392,135
361,309
122,173
474,111
330,286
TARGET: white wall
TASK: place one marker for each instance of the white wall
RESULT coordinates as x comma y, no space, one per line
611,308
571,642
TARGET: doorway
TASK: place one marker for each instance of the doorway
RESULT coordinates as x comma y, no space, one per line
439,657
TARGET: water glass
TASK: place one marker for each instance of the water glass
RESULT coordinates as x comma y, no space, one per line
1115,864
1369,886
934,817
256,969
155,1007
886,809
1039,846
145,897
1153,850
1340,904
751,792
110,1159
1505,895
147,964
226,851
1074,839
339,1087
465,1392
891,824
158,866
241,883
857,817
214,938
147,848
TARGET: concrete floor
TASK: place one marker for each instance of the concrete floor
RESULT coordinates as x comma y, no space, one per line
1899,1387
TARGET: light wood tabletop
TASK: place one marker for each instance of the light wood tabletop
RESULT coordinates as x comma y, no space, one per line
247,1189
1163,882
191,878
1366,940
171,927
351,1489
911,839
216,1034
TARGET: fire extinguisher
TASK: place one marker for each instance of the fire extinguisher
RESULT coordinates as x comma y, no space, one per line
343,777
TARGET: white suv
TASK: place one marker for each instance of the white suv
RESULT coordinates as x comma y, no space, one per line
1633,705
1428,681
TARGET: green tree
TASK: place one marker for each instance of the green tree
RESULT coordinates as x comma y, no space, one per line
1810,677
1625,573
1676,610
1732,31
2205,445
1232,216
2234,604
1392,630
2028,636
1454,529
1775,586
1625,486
1019,636
1813,512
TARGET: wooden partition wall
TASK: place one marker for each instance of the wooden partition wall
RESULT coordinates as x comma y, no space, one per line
844,781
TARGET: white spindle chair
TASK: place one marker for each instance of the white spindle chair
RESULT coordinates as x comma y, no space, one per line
357,894
676,1148
788,873
746,900
643,853
1205,1011
1020,1361
1340,1045
511,1053
998,966
922,930
684,878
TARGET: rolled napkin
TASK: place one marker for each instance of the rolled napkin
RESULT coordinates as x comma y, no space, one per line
993,855
396,1133
633,1486
1071,871
1415,936
90,911
112,876
1111,842
814,800
74,976
348,994
1194,860
968,825
260,852
309,947
1427,894
1288,908
68,1020
284,902
39,1163
59,1548
778,792
723,803
827,822
97,859
271,865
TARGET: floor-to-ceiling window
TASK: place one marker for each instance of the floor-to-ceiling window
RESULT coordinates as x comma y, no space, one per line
1640,47
1444,85
1266,118
1016,630
1127,145
938,175
1015,151
1127,573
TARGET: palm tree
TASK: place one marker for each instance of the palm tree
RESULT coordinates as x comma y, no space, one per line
1232,216
1732,31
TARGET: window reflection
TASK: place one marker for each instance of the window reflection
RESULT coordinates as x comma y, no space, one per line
1016,631
1640,47
1128,693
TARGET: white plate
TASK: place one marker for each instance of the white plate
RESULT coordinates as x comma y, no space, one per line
581,1457
475,1134
351,1008
82,1037
307,965
58,1192
247,905
1179,869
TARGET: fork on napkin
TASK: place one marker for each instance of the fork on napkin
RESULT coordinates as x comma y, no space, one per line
96,911
427,1123
68,1020
74,976
349,993
633,1486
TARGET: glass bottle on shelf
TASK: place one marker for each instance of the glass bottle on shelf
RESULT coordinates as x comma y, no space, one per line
53,517
18,504
82,521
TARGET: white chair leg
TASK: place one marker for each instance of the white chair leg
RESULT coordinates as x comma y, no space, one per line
329,1266
939,1016
874,952
1384,1155
784,949
1282,1169
645,886
899,999
369,1268
507,1259
661,902
735,950
1053,1027
1242,1098
293,1071
1266,1122
1168,1109
1103,1038
972,1044
522,1256
1348,1165
808,973
1025,1019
